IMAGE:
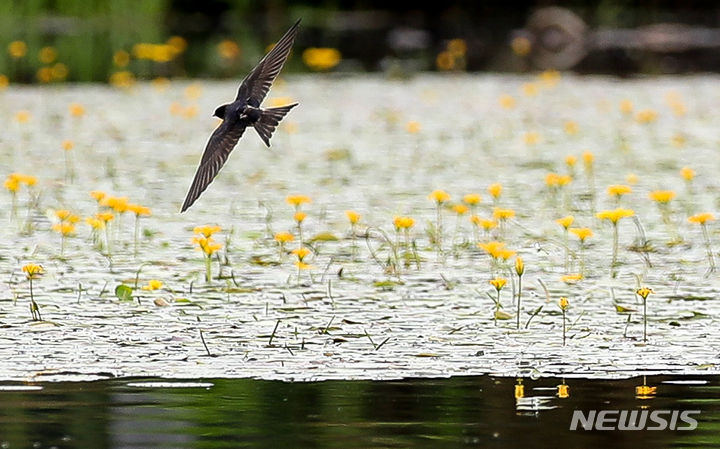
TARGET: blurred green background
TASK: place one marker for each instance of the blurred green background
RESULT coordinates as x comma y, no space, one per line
119,41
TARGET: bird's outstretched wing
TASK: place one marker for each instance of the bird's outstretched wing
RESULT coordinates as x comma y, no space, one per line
221,143
257,83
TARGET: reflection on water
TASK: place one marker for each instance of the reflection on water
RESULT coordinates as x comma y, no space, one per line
462,411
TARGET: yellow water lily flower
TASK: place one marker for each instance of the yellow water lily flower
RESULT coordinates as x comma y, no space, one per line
503,214
153,284
582,233
701,218
297,200
64,228
484,223
615,215
472,199
493,248
687,173
460,209
662,196
403,222
352,216
138,209
32,270
301,253
565,222
206,245
498,283
564,303
284,237
439,196
618,190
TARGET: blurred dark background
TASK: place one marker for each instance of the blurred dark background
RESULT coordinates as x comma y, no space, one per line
47,41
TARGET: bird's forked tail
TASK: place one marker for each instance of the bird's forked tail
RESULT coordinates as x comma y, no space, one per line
268,121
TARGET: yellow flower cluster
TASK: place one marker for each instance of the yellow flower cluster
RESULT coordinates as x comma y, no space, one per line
556,180
484,223
206,244
403,222
15,180
496,250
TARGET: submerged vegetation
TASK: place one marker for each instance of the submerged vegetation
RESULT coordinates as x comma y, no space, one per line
368,226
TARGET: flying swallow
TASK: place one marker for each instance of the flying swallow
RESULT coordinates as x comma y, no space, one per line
243,112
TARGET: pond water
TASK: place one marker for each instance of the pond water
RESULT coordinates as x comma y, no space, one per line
369,307
458,412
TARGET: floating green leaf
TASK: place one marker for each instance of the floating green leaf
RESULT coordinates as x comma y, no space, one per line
123,292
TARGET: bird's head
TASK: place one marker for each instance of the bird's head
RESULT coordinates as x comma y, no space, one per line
220,112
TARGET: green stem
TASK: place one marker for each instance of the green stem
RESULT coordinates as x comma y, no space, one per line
135,237
567,251
208,268
13,211
614,250
497,307
645,319
564,326
706,237
438,231
518,302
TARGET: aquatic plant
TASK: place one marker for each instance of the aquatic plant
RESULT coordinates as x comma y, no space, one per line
702,220
484,223
566,222
440,197
66,226
564,304
495,191
614,216
139,211
282,238
519,270
582,234
498,283
662,198
67,146
617,191
296,201
644,292
33,271
301,253
207,245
